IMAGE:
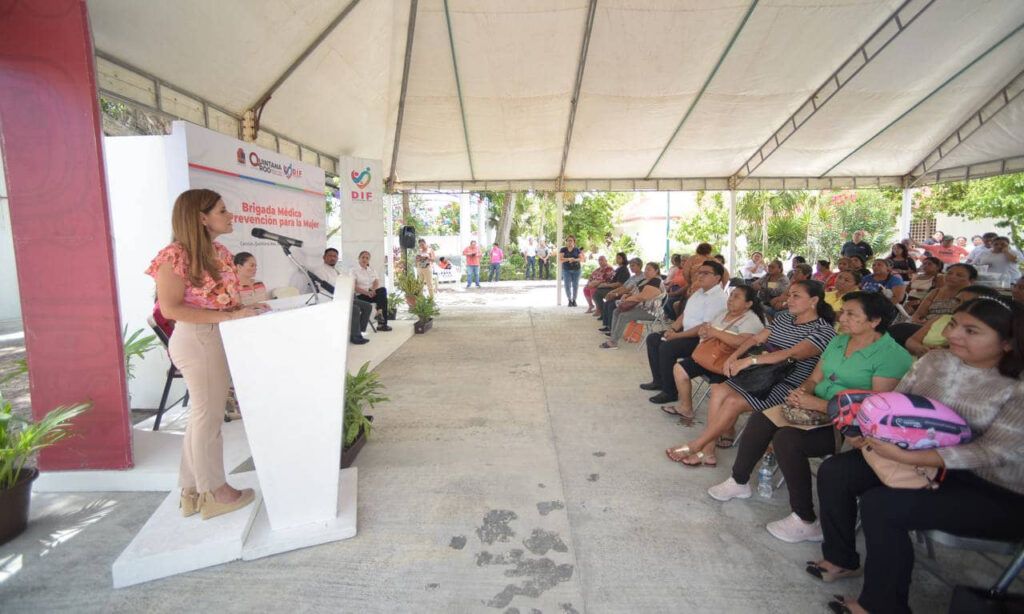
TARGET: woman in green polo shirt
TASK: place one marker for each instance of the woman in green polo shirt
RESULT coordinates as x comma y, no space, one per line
862,357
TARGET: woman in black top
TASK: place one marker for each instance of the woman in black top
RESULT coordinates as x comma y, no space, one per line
900,261
569,257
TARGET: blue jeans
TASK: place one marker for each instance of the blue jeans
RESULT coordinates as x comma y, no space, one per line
495,273
571,280
531,267
472,275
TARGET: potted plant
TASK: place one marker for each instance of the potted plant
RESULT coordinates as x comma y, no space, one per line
20,440
362,390
425,309
136,347
412,287
394,300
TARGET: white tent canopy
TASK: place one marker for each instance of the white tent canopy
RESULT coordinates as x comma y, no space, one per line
598,94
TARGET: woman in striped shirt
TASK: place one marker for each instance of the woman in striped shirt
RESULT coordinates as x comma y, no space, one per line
800,333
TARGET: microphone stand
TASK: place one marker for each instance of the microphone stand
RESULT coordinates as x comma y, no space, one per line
318,285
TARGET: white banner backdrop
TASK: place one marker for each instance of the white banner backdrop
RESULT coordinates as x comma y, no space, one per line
263,189
362,212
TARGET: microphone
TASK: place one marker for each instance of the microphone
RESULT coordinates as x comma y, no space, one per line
282,240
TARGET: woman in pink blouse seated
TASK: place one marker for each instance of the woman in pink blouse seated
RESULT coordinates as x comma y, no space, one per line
197,286
603,273
250,289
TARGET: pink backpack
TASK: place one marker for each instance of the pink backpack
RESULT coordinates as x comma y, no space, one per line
910,421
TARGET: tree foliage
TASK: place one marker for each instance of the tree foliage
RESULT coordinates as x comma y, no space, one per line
710,224
591,218
999,197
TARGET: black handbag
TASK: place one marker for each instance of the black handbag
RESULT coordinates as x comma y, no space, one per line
757,380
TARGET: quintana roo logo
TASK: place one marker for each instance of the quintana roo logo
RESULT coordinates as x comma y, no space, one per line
361,179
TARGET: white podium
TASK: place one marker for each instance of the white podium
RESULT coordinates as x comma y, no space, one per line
288,368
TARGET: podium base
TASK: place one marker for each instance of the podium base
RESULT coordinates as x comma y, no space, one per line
263,541
169,544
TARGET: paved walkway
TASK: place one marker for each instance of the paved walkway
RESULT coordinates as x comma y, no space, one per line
517,468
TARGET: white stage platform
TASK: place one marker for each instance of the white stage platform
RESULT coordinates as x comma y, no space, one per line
158,453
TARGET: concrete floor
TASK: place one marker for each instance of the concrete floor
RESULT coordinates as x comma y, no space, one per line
517,469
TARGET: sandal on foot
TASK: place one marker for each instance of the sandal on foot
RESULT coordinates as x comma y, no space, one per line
823,574
725,442
838,605
702,460
686,420
670,409
677,455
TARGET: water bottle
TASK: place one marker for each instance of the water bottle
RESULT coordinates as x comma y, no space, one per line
765,475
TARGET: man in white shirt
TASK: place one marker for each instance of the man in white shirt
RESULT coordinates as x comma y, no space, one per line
681,339
531,258
361,309
368,288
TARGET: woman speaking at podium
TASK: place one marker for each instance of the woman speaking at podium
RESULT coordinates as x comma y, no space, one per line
198,287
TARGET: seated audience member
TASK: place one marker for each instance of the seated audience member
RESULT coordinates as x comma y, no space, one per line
900,261
843,264
249,289
676,286
797,261
368,288
676,266
743,318
861,357
1000,259
663,349
704,251
637,306
822,271
1018,290
929,336
940,301
885,281
856,263
928,277
618,279
443,263
986,245
636,275
800,333
947,252
603,273
982,488
772,285
800,272
846,282
754,268
720,259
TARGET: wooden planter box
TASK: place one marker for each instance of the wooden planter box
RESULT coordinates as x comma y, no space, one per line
349,454
421,326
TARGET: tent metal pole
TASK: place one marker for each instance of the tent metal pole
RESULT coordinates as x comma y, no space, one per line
559,241
668,229
262,100
941,86
458,89
574,101
732,232
905,213
410,34
707,82
972,124
891,28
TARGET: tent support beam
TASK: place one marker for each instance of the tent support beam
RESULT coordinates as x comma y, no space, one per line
410,34
662,184
257,108
574,101
941,86
979,170
559,242
703,88
972,124
458,88
892,27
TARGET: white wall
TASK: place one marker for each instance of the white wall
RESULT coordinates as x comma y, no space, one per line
962,227
10,303
144,176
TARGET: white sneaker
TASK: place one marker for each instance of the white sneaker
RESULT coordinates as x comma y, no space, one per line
793,529
729,489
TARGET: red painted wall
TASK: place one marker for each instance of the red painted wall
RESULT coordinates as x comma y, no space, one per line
51,140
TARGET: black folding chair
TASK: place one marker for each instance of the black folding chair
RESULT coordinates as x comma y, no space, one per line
172,374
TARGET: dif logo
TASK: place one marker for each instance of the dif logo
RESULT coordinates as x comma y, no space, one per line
361,180
240,156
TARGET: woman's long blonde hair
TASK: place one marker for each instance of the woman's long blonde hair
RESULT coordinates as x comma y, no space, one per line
189,231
